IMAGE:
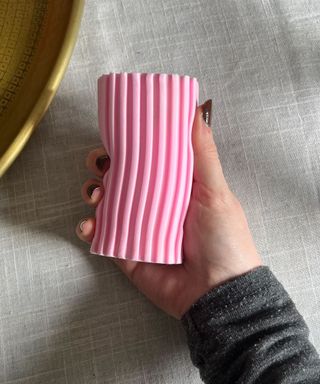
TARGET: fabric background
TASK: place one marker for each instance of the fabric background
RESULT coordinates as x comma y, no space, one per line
68,317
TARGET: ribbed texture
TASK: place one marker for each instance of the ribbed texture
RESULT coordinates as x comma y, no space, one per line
145,122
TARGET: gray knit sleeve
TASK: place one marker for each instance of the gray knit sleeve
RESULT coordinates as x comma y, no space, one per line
248,330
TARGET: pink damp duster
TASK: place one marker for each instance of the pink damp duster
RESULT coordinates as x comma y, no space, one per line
145,122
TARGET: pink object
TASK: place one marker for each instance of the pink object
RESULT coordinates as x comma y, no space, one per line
145,122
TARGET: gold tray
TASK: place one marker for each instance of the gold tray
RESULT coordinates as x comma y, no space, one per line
36,42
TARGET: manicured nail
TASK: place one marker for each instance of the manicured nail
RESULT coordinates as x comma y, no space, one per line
95,193
206,112
81,225
91,188
101,162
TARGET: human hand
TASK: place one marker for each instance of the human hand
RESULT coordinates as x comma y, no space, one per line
217,243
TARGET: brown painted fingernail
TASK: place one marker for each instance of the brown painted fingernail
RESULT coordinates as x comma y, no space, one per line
81,225
101,162
206,112
91,188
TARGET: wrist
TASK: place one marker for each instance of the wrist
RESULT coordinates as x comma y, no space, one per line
232,295
222,275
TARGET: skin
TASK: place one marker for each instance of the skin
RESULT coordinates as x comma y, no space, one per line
217,242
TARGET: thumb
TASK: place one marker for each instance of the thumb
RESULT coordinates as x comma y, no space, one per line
207,166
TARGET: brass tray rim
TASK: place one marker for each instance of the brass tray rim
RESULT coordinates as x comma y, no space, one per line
48,91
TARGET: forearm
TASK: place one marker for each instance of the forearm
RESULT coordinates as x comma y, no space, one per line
249,331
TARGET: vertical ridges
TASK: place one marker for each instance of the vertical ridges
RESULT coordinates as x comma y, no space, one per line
120,152
170,139
149,180
143,166
147,102
190,93
102,90
177,153
178,215
131,175
157,189
145,122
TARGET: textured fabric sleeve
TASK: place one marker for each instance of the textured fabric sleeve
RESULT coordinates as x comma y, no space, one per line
248,330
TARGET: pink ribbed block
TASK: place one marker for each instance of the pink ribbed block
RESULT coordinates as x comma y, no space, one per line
145,122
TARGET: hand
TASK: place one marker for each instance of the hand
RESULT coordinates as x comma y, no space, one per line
217,243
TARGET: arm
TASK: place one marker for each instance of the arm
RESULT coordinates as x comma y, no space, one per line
249,331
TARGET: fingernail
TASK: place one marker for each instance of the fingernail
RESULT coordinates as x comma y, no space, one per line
95,193
91,188
81,225
206,112
101,162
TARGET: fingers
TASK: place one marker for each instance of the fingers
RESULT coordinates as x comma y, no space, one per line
92,192
207,166
98,161
85,229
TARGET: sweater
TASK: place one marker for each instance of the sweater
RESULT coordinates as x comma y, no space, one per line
248,330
